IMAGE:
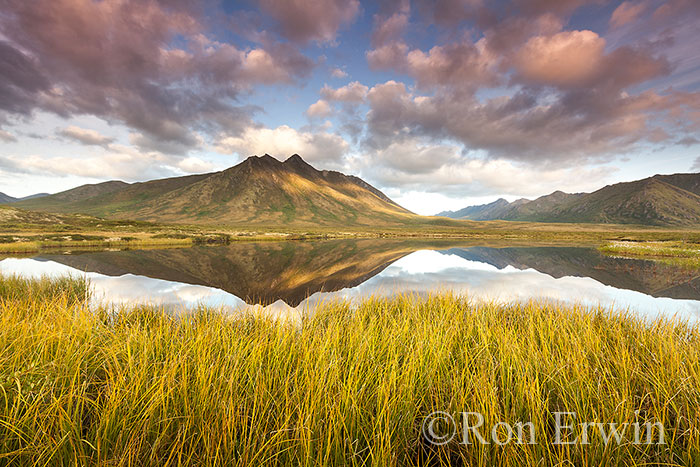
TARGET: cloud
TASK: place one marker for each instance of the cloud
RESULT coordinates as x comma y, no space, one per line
7,137
319,109
150,143
311,20
195,165
558,97
563,59
152,67
284,141
354,92
118,165
390,28
21,82
463,65
576,59
338,73
85,136
449,12
696,165
414,165
626,13
559,7
541,128
688,141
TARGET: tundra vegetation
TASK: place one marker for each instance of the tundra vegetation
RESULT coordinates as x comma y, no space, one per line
339,385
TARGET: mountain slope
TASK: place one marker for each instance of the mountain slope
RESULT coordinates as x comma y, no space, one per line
6,199
532,209
649,201
482,211
662,200
259,190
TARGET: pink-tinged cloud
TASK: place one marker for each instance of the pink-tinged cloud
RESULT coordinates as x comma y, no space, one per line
319,109
311,20
463,65
354,92
391,28
626,13
119,62
558,7
570,58
338,73
85,136
449,12
566,128
577,59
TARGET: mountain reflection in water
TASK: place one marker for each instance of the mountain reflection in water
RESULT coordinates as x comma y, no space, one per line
294,273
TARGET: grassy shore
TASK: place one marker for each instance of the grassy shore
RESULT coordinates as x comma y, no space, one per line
137,386
676,253
26,232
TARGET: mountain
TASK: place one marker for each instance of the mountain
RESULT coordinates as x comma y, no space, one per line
255,272
661,200
648,277
482,211
260,190
7,199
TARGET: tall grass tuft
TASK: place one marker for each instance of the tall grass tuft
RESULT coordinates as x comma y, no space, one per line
347,386
48,289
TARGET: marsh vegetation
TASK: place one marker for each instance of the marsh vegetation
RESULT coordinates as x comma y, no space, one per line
345,385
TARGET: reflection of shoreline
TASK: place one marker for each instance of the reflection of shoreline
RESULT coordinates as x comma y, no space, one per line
622,273
421,273
261,272
482,282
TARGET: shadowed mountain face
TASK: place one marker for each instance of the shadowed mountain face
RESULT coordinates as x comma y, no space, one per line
265,272
258,191
663,200
649,277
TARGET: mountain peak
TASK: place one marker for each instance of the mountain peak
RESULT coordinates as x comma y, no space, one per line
261,190
300,165
265,159
294,158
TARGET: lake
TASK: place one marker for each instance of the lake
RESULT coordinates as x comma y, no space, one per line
289,277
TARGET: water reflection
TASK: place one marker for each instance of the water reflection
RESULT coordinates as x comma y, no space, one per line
291,276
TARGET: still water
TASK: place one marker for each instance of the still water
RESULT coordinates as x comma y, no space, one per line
288,277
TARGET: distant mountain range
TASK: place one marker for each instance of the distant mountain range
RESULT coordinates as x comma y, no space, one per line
258,191
7,199
661,200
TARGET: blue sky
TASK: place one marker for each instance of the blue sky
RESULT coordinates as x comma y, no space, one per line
440,104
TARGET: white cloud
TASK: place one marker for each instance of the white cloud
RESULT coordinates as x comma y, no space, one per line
284,141
195,165
414,166
7,137
354,92
319,109
85,136
338,73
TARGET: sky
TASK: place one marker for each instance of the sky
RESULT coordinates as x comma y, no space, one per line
439,103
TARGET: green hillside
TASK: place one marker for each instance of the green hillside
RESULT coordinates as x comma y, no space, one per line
258,191
662,200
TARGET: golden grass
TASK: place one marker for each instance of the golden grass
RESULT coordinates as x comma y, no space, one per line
347,386
676,253
36,246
